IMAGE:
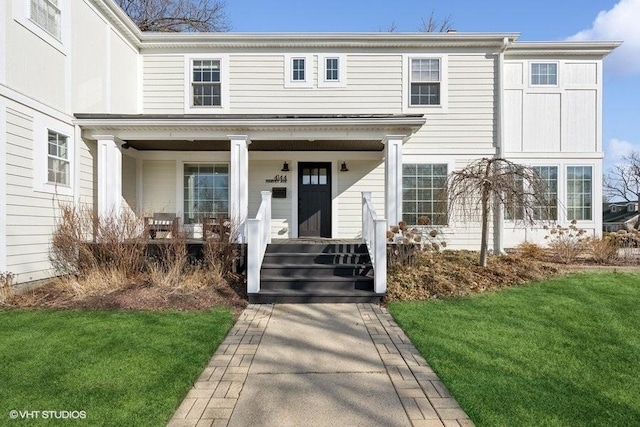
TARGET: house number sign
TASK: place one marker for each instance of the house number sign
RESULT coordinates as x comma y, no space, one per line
277,179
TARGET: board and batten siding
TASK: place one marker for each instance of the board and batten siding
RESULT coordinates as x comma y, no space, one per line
468,124
543,119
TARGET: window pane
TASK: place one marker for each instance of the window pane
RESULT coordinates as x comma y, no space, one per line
423,193
298,69
323,176
314,176
579,192
332,69
544,74
206,192
425,93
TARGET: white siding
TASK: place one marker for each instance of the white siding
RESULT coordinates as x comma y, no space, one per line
580,132
468,124
362,176
259,171
163,86
30,214
542,122
124,93
129,183
34,67
159,186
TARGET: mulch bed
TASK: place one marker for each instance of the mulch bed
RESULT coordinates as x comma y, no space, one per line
136,296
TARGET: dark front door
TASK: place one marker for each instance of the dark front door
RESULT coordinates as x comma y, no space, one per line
314,200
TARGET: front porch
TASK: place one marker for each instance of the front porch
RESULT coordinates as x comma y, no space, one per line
201,168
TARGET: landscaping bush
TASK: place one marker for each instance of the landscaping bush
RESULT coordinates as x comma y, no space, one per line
602,251
531,251
566,243
408,243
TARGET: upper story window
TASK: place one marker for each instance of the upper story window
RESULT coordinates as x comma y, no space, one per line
298,69
544,74
206,83
58,164
332,69
46,13
425,80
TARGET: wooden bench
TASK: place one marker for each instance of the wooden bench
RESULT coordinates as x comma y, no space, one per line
162,222
216,227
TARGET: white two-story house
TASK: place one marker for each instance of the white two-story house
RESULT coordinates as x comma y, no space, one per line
94,111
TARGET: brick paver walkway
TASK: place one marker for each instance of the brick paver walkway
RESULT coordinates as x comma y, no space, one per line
213,397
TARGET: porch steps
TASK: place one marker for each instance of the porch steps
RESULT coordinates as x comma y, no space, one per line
316,272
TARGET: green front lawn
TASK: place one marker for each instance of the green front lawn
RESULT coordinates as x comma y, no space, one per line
564,352
121,368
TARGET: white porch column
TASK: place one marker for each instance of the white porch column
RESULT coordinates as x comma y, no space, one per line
239,183
109,175
393,178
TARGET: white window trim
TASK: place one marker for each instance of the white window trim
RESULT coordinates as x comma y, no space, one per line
530,75
41,126
224,85
22,15
322,71
594,212
308,71
444,85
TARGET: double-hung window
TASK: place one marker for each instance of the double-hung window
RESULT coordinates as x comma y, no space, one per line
332,69
58,163
206,83
424,193
579,193
298,69
544,74
425,80
46,14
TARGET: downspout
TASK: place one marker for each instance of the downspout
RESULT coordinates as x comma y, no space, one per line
498,209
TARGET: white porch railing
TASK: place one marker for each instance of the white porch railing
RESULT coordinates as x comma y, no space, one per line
374,235
258,236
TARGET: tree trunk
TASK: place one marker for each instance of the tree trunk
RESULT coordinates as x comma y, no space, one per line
485,225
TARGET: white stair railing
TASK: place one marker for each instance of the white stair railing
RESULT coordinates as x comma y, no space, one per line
258,236
374,235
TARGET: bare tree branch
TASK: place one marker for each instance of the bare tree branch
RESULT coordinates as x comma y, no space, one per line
177,15
434,24
488,182
623,182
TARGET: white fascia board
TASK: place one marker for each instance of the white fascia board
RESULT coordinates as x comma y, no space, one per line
584,48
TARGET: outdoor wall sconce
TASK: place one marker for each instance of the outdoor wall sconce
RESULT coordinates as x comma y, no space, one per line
344,167
285,167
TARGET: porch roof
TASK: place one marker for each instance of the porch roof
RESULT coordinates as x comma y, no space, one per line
257,127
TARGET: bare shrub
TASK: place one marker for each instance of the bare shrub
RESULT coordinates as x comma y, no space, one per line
220,252
566,243
71,252
628,243
531,250
409,243
602,251
6,283
82,242
169,264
